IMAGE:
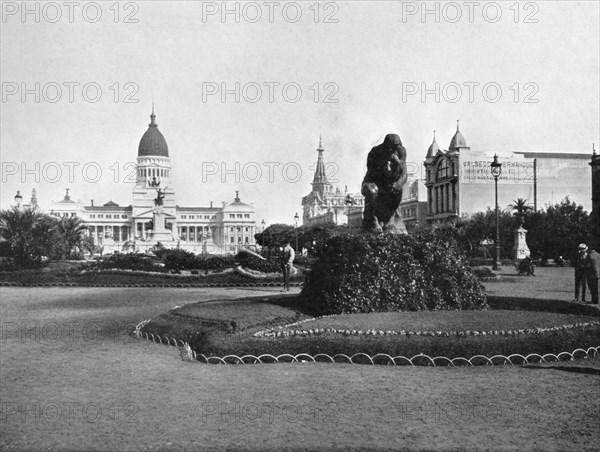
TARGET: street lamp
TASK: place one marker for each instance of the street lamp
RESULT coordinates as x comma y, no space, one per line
262,223
296,218
496,169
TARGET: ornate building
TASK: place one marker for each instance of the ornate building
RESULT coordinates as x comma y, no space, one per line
326,205
459,180
214,230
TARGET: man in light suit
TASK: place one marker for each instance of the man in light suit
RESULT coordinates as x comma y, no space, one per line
287,263
593,273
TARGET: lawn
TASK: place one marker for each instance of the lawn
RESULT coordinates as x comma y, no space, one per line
127,394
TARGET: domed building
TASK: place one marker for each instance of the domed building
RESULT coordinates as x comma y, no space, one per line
213,230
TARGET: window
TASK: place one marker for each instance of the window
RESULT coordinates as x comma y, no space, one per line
92,216
443,170
231,215
231,240
247,241
239,215
207,217
231,229
246,215
73,214
246,229
123,216
100,216
108,216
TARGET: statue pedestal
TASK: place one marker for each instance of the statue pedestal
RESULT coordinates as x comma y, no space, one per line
160,233
520,248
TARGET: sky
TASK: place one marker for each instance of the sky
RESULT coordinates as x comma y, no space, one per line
243,97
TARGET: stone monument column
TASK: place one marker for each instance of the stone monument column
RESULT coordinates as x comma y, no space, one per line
520,248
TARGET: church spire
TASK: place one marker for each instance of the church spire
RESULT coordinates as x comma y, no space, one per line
320,181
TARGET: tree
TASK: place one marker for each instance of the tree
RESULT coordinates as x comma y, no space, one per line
520,208
558,230
29,234
71,234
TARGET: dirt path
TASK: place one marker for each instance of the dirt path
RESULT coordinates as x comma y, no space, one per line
91,387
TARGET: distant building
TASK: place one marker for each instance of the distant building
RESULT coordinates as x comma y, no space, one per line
459,180
324,204
215,230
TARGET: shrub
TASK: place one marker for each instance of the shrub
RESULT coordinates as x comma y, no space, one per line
130,262
251,262
385,272
304,261
178,259
483,272
206,262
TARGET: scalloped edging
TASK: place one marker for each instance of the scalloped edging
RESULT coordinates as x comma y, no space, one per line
362,358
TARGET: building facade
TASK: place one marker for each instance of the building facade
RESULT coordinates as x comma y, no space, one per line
214,230
459,180
324,205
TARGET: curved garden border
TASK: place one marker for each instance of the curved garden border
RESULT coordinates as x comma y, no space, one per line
271,332
200,285
362,358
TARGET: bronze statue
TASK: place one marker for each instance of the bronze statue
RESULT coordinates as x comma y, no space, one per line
160,196
382,186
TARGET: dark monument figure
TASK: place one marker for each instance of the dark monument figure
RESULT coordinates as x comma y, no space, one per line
160,195
382,186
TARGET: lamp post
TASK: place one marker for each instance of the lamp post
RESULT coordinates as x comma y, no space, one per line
262,223
296,218
496,169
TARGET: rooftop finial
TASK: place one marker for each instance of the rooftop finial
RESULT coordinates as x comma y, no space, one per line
237,195
320,145
594,153
434,135
457,121
152,115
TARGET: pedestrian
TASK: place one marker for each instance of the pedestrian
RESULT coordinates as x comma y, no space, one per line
579,265
592,267
287,263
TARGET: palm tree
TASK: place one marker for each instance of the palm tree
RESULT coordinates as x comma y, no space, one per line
29,233
520,207
72,233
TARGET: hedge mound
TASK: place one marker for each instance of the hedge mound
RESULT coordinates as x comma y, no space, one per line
386,272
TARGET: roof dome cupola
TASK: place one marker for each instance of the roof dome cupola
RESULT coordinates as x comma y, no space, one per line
153,142
433,148
458,141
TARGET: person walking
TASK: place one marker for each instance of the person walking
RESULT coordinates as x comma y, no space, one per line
592,273
579,265
287,263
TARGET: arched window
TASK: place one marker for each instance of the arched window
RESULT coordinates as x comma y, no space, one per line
443,170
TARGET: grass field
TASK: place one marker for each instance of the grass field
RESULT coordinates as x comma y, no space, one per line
72,379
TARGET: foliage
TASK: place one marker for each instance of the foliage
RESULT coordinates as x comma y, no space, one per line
130,262
71,235
558,230
483,272
30,235
385,272
251,262
275,235
312,238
